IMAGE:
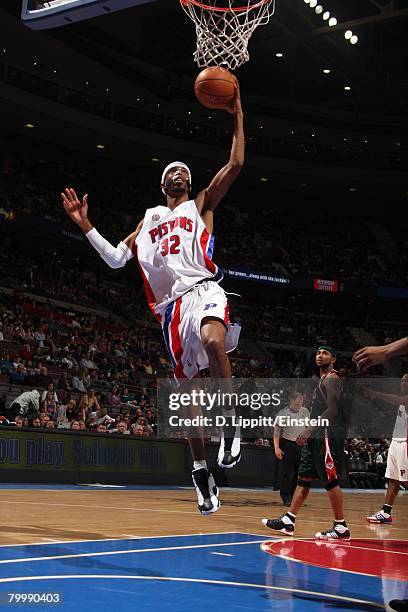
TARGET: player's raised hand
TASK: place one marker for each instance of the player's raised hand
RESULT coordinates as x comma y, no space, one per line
77,210
236,107
370,356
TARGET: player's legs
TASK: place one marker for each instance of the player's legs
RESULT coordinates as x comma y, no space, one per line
213,331
327,457
336,501
307,473
301,493
392,491
397,469
203,480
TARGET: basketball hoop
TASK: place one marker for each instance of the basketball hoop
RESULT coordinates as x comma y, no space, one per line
224,27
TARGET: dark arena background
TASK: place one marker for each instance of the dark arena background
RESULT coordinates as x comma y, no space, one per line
98,507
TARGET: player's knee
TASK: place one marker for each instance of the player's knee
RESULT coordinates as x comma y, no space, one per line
302,482
331,485
213,344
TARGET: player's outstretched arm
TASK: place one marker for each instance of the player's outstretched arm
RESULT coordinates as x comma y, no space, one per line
389,398
376,355
210,197
78,211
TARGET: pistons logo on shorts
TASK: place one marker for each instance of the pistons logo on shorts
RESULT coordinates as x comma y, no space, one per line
155,217
330,466
208,306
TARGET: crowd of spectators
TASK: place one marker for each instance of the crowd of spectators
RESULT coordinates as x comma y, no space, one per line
306,243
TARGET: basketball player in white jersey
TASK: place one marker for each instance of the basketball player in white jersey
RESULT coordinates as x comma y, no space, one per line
173,245
368,357
397,460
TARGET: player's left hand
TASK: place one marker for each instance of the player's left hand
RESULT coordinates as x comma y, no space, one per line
370,356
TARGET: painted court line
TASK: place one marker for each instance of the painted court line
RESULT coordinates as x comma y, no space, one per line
127,552
222,554
142,537
196,580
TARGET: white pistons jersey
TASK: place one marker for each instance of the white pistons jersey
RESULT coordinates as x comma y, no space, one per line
174,251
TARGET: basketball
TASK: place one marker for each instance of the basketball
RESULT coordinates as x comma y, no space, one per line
214,87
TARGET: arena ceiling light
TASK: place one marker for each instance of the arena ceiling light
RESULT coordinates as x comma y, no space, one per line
326,15
332,21
100,146
279,54
313,3
29,125
319,9
327,71
352,38
347,88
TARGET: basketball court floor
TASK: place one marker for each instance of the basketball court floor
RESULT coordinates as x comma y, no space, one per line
148,548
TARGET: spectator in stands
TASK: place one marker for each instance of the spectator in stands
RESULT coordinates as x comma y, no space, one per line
63,423
148,368
101,428
74,426
44,418
88,403
49,399
19,421
82,425
147,431
113,400
127,397
25,404
39,336
50,425
77,381
35,422
18,376
122,428
71,410
87,362
137,429
42,379
6,364
26,352
63,382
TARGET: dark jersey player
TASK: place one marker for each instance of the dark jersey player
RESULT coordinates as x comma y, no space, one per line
322,452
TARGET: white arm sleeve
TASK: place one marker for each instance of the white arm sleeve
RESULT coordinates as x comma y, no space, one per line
115,258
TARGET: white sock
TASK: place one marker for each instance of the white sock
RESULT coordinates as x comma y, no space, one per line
198,465
287,520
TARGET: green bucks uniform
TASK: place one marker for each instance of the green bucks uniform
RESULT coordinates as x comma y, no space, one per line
323,453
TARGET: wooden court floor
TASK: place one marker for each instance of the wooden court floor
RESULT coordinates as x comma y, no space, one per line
39,516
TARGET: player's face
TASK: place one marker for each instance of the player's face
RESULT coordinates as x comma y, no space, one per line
324,358
404,384
176,181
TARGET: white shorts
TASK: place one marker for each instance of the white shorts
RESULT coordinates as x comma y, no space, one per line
181,324
397,461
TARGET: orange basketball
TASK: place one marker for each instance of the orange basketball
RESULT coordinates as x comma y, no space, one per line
214,87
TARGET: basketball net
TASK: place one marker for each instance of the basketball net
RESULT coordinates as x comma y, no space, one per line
223,32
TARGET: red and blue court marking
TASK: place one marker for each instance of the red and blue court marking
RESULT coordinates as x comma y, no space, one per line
381,558
227,571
